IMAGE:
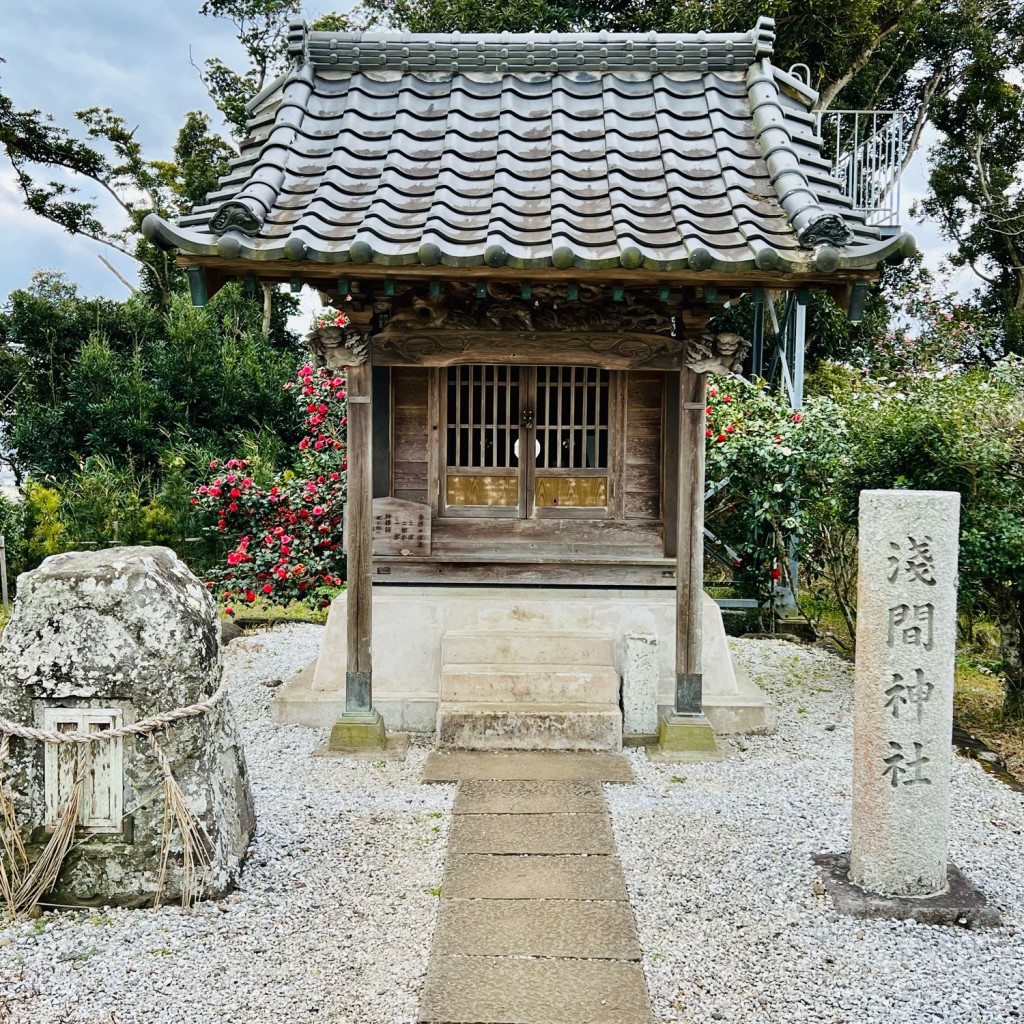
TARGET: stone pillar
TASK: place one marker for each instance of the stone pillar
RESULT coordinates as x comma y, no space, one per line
903,691
640,684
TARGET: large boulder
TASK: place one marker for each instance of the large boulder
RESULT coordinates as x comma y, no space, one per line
130,632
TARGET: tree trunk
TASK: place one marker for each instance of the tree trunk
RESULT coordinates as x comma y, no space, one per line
1011,647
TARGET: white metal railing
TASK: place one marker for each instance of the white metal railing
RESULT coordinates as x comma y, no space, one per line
867,149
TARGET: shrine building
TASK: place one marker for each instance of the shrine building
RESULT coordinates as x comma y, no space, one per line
530,235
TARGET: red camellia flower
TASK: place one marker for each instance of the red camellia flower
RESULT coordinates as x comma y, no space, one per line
730,429
708,433
776,574
268,588
797,417
721,437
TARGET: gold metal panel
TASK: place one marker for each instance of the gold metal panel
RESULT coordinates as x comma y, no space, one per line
482,490
572,491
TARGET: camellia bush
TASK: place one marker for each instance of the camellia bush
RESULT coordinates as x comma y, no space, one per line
285,533
768,467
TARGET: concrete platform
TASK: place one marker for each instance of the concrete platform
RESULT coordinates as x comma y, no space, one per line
539,797
488,877
501,766
549,834
530,683
590,621
537,927
503,990
528,726
963,904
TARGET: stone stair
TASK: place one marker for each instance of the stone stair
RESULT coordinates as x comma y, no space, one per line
528,690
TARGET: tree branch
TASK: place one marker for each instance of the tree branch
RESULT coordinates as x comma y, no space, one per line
110,266
829,92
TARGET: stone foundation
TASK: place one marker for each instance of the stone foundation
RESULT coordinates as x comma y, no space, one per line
410,625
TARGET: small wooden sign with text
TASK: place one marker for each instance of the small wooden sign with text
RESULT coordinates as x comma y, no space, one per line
400,527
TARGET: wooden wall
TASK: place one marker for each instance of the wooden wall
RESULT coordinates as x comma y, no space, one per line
642,469
410,434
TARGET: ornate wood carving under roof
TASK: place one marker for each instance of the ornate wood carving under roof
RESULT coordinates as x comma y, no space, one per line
594,152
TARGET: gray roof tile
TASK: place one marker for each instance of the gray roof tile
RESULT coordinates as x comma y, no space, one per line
595,151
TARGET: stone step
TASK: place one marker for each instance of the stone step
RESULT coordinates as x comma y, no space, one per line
526,647
506,726
536,683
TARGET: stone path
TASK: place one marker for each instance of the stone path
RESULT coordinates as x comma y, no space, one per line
535,925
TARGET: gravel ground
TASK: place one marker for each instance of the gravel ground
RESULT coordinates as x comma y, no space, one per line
333,918
732,920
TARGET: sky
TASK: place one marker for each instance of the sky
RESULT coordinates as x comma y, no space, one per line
134,56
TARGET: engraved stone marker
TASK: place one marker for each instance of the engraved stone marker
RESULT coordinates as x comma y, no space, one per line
903,691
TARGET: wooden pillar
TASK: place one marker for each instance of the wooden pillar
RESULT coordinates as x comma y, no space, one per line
359,539
690,542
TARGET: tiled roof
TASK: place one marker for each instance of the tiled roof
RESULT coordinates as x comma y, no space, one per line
589,151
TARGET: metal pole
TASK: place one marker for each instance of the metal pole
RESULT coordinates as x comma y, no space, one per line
799,347
3,574
757,353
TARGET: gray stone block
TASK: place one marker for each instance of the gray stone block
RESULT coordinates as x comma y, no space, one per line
483,876
498,990
479,726
962,903
531,833
534,797
550,928
132,632
455,766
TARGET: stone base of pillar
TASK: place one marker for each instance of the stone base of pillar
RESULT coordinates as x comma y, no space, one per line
962,903
357,732
685,739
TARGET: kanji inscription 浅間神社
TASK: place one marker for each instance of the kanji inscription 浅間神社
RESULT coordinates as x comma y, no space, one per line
903,691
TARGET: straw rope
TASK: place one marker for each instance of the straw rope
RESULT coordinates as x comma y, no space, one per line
22,885
143,728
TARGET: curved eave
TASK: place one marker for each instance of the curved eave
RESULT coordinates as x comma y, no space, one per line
233,245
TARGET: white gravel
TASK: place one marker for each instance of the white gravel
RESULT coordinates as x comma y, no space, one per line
335,915
732,920
333,919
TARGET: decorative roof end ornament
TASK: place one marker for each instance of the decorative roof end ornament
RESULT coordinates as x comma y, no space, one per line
297,42
829,229
764,36
235,216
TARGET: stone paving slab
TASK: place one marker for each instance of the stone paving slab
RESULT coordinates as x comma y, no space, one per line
531,833
532,797
461,765
501,990
480,876
546,928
